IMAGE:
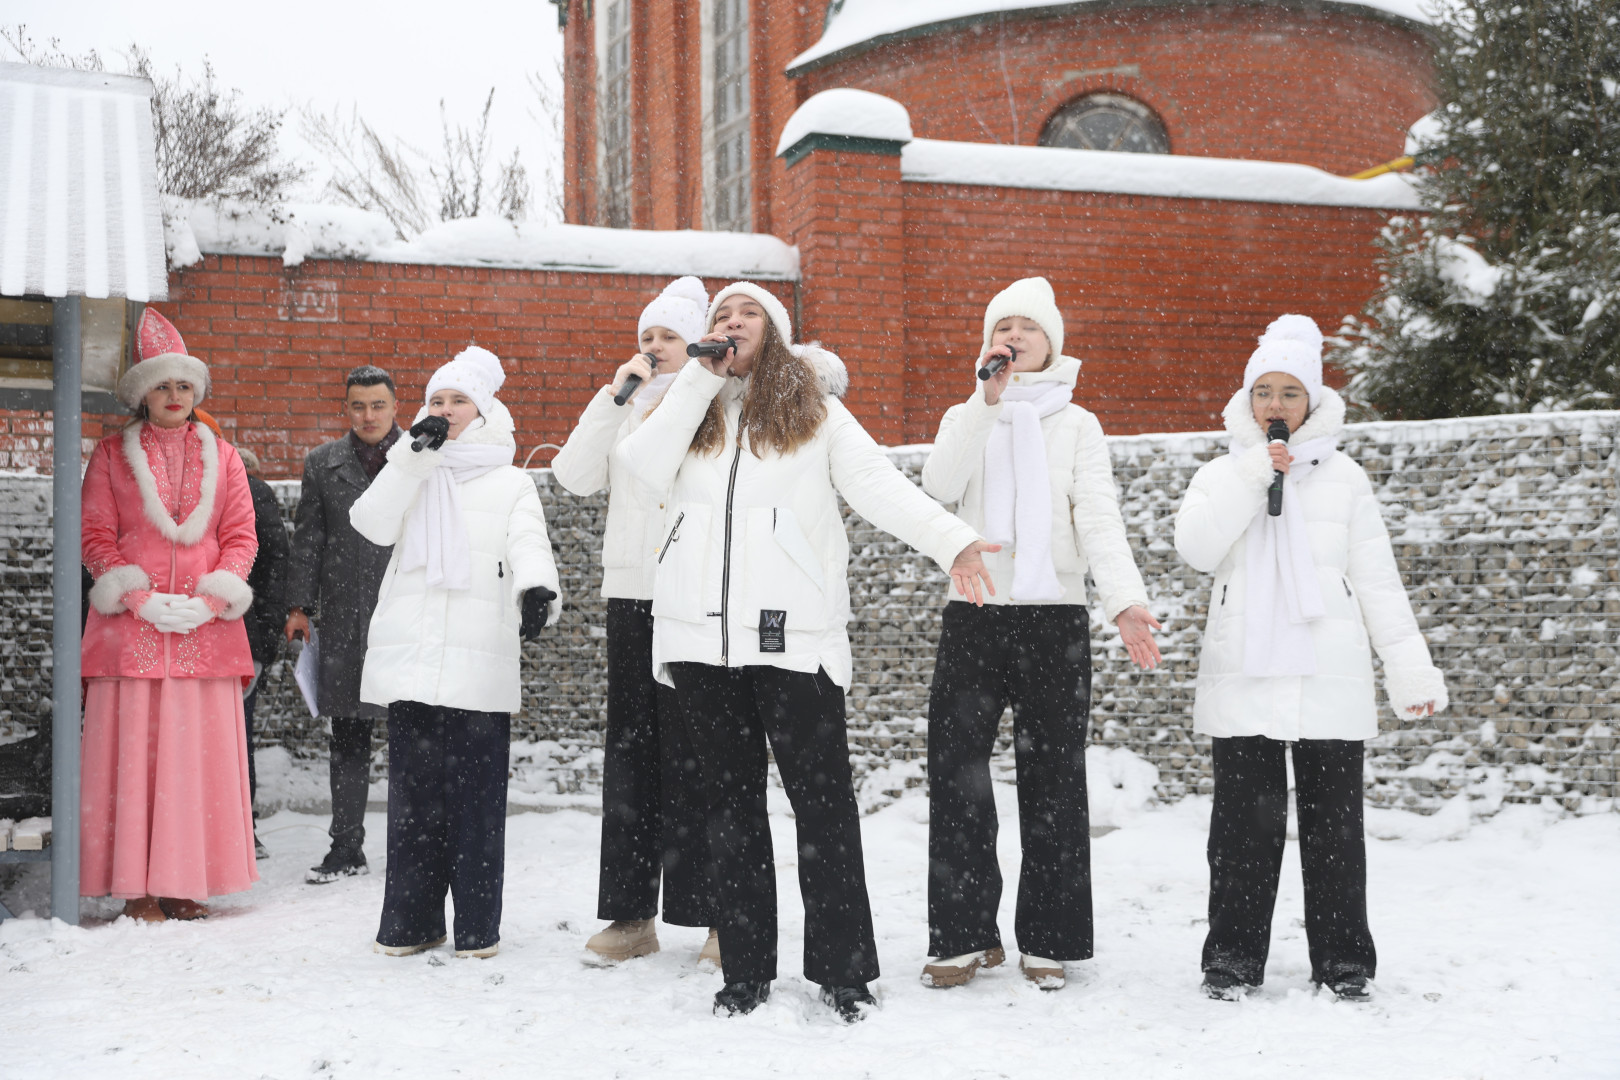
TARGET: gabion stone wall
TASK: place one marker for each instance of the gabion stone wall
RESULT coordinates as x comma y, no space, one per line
1505,529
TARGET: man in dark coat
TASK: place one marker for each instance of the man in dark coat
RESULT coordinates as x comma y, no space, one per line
335,575
265,619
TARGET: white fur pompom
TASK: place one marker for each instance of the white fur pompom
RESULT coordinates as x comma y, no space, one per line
1301,328
486,363
688,288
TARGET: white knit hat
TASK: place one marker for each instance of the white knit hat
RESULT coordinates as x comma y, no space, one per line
1292,344
680,308
773,307
1032,298
476,372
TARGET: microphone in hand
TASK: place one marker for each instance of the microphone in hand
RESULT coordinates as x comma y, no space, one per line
1277,432
633,382
711,350
993,366
429,433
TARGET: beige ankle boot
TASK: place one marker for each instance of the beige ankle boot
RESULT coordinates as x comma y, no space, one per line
710,953
622,940
1046,974
950,971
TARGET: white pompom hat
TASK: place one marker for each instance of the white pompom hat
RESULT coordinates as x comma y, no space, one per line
773,307
681,308
476,372
1031,297
1292,344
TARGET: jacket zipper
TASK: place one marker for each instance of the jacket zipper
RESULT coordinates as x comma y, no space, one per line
1223,596
725,568
500,576
1347,591
674,534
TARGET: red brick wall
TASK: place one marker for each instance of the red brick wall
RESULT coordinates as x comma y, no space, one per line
278,373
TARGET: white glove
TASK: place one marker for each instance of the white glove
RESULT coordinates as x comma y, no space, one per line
185,615
156,608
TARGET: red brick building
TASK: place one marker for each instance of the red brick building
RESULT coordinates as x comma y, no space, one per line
885,222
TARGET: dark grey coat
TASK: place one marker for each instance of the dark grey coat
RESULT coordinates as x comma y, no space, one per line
334,574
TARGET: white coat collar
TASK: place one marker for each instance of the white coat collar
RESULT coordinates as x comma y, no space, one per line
191,530
1065,370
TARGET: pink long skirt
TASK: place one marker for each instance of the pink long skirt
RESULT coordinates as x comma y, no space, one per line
165,808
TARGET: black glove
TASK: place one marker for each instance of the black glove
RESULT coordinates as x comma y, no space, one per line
536,610
429,432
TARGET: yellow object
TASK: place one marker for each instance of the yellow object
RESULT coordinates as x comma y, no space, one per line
1398,165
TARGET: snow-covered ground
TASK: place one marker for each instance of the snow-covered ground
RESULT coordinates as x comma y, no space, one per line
1498,958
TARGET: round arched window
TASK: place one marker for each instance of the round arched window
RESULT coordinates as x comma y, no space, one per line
1107,122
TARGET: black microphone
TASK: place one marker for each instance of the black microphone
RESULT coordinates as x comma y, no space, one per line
996,363
631,382
430,432
1277,432
713,350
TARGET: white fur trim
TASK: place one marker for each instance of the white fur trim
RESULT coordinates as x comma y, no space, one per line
773,307
830,370
192,529
680,307
107,594
1411,687
229,588
139,380
1031,297
1326,419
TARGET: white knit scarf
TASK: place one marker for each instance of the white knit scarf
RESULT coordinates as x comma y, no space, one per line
652,391
435,532
1018,487
1283,593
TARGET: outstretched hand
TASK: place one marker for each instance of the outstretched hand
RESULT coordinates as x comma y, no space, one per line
969,575
1136,626
1425,709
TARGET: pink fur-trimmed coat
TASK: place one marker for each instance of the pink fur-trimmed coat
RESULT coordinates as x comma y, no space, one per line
131,543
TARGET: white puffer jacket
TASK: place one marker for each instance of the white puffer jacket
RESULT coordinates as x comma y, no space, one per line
456,648
1355,568
1087,530
745,536
593,459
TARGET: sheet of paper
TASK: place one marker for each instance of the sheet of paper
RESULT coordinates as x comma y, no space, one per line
307,672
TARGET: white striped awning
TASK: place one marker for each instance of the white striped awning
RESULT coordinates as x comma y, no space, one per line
80,213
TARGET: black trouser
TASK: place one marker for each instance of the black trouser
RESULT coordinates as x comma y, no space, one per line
248,702
447,771
730,713
652,797
1247,830
1036,658
350,746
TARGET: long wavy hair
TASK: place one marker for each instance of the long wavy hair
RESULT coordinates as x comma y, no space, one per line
782,408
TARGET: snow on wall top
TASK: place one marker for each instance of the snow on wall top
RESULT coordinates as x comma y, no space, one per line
312,230
858,24
1174,176
844,111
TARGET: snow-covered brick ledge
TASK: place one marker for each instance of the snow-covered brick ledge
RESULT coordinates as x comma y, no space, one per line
859,117
300,231
1505,528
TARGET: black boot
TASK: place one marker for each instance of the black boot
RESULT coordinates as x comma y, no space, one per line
849,1002
741,998
1224,986
1350,987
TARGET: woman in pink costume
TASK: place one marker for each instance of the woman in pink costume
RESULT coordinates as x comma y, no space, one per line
169,537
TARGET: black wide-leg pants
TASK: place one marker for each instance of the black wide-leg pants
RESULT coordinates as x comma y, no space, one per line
1036,658
730,713
447,772
1247,831
653,822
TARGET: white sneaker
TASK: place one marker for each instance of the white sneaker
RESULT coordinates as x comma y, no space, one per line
1046,974
406,950
478,954
951,971
622,940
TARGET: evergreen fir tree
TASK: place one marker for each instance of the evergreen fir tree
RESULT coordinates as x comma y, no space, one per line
1503,294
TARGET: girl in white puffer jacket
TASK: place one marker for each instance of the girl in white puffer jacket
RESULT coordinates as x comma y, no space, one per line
443,652
1029,468
653,823
1300,599
750,609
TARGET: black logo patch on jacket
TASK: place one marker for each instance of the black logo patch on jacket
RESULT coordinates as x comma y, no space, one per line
772,631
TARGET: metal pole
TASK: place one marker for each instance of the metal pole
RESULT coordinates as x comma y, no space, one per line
65,431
